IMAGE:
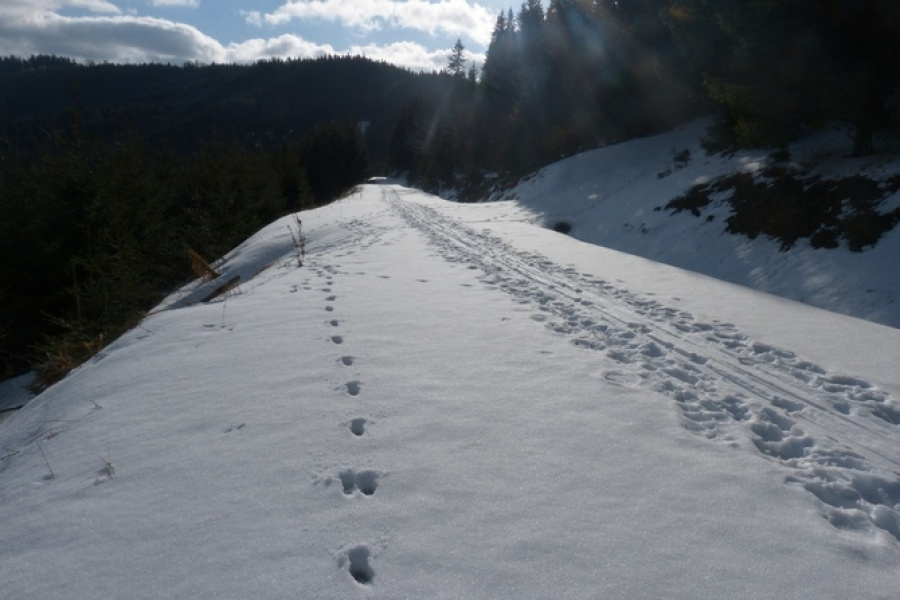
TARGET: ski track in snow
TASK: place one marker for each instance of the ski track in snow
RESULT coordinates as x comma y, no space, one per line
727,387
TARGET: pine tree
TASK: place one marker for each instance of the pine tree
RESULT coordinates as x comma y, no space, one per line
472,74
530,17
456,65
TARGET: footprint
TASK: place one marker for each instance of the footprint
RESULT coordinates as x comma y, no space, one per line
367,482
778,438
353,387
337,339
623,378
887,413
329,308
331,298
358,426
348,481
364,481
334,323
347,361
789,406
359,567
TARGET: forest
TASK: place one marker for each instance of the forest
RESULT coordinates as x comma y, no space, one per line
112,175
580,74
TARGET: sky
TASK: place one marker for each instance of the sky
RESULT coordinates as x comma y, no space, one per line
416,34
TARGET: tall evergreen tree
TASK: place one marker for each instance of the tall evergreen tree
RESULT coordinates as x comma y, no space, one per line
456,65
499,74
530,17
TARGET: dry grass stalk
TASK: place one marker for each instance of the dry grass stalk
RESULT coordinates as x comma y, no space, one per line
200,267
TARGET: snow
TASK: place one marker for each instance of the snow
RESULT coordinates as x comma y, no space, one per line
450,401
14,393
614,198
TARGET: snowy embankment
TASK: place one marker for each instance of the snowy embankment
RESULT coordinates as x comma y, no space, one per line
614,197
446,401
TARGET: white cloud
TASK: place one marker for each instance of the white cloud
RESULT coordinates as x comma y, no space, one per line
127,38
25,8
284,46
407,54
187,3
113,39
254,17
410,55
451,17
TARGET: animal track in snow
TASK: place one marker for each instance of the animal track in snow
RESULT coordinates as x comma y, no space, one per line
337,339
353,387
364,481
334,322
347,361
357,561
358,426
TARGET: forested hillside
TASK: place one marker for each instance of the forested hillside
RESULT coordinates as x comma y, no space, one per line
111,174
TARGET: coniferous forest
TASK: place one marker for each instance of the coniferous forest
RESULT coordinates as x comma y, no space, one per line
578,74
110,173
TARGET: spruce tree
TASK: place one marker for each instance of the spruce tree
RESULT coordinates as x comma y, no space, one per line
456,65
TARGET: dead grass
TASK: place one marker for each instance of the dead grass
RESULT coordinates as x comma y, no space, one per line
200,267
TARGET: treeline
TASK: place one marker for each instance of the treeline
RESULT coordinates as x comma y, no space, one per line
585,73
94,233
259,105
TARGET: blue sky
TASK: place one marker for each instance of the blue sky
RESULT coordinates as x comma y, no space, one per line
417,34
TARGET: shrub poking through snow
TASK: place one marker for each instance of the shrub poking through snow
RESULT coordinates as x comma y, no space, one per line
299,240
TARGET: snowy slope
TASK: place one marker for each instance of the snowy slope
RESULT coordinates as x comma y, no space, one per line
612,197
446,401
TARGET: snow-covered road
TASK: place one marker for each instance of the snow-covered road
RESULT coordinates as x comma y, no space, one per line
448,402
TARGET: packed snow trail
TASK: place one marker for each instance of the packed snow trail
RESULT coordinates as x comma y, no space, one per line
833,431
